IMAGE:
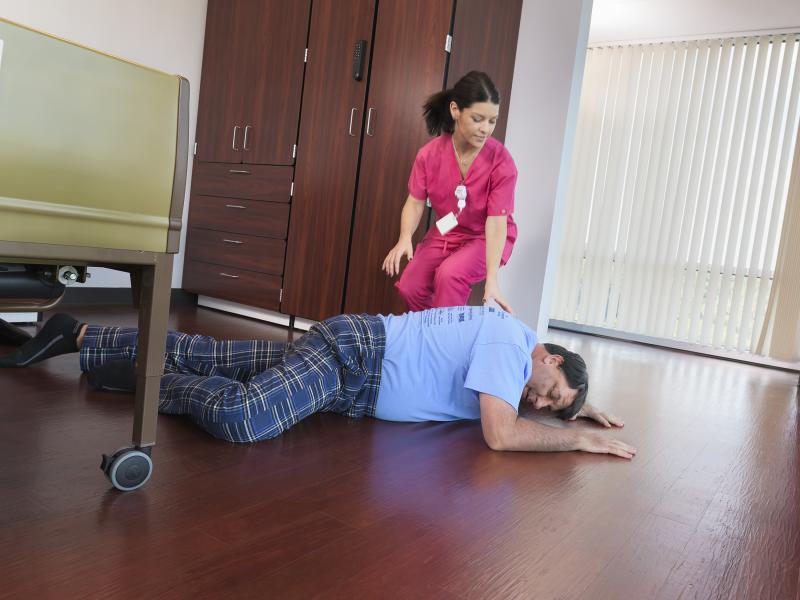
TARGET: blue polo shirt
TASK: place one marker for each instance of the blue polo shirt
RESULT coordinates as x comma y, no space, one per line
437,362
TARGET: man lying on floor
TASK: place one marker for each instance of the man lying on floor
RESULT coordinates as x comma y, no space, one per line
441,364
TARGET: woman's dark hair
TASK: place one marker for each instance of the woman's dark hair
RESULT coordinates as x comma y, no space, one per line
473,87
577,375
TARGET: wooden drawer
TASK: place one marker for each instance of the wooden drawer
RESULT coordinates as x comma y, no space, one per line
229,283
252,182
250,217
261,254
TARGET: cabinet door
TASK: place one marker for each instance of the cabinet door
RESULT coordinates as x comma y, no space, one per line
408,65
272,63
327,159
485,39
220,108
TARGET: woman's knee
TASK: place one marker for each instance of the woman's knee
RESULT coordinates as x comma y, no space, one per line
450,277
410,286
452,287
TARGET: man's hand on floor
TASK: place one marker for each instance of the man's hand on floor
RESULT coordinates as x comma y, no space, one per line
605,419
597,443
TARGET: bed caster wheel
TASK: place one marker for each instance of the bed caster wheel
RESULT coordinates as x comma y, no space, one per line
128,469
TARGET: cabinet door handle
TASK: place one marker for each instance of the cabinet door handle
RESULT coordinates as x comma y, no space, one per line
236,129
238,172
235,206
231,276
246,132
232,241
350,127
369,122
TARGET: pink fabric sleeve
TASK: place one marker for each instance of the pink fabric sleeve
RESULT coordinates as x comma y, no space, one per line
502,182
418,181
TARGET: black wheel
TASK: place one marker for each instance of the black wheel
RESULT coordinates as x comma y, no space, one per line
128,469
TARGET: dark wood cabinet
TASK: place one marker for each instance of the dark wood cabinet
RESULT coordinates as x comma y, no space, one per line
273,62
327,161
408,66
231,283
253,65
251,81
220,108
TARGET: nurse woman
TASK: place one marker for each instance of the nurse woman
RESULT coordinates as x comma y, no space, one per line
469,178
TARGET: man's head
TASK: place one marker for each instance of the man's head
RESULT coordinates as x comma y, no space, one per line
560,380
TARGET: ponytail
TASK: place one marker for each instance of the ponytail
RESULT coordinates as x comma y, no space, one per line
436,111
473,87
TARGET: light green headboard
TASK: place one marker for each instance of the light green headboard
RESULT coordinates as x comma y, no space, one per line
88,146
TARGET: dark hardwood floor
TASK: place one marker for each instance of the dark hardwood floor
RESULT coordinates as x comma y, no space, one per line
365,509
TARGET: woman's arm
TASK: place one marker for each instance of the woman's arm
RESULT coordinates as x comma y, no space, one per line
496,232
409,221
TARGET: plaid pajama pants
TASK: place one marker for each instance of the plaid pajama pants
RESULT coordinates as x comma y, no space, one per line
246,391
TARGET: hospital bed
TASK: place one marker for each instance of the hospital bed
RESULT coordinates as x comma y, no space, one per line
93,155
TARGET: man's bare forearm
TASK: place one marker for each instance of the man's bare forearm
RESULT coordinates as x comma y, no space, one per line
530,436
504,429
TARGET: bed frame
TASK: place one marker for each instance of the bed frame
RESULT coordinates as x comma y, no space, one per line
93,156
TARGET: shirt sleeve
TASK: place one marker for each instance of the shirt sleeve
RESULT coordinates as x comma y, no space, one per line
418,180
502,182
499,370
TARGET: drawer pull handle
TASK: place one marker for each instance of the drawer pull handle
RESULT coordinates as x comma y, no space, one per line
231,276
232,241
235,206
239,171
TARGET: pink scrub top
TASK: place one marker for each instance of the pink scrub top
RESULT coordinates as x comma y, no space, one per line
490,184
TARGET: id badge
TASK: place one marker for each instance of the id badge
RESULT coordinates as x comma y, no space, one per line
446,223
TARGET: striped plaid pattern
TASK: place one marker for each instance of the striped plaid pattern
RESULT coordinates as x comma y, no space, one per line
246,391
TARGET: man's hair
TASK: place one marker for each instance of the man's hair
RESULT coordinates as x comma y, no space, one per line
577,375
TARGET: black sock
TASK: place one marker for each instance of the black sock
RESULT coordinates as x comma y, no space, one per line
13,335
113,376
58,336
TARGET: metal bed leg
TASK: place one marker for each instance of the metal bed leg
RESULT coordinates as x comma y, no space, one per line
153,317
130,468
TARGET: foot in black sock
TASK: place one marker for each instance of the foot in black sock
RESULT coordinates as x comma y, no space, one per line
58,336
113,376
11,334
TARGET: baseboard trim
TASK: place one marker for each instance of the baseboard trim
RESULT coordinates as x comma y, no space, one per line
259,314
741,357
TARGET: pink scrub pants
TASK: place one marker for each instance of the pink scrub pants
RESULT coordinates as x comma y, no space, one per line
442,272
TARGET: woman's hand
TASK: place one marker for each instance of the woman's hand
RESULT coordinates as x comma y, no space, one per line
605,419
491,291
391,264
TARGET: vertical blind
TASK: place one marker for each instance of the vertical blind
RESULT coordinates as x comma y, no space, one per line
678,188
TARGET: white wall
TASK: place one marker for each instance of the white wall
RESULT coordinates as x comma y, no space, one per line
627,20
164,34
542,113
